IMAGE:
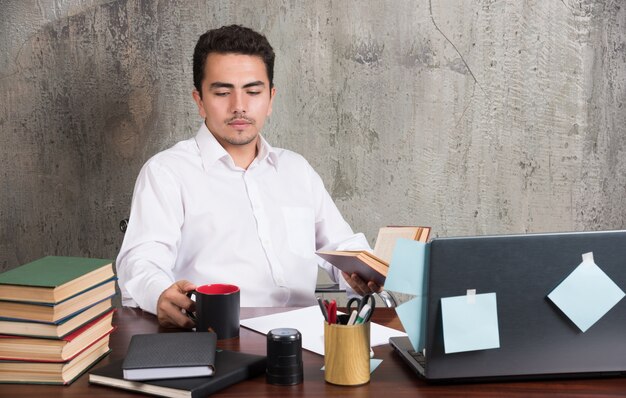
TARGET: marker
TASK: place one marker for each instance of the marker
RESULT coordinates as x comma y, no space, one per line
332,312
363,314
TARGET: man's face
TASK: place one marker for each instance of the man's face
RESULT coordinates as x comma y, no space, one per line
236,98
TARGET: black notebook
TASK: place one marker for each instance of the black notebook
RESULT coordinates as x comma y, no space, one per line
230,367
170,355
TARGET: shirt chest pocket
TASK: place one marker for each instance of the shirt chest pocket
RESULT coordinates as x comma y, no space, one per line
300,229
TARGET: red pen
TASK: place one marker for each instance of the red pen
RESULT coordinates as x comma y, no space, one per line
332,312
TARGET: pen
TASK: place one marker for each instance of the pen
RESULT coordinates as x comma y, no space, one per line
323,308
363,314
352,318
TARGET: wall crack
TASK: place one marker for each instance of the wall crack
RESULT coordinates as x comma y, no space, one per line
432,18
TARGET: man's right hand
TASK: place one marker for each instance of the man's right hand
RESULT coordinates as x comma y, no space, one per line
172,303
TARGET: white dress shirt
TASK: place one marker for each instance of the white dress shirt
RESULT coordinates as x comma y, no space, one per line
197,216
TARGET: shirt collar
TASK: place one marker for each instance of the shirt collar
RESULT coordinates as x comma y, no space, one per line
211,151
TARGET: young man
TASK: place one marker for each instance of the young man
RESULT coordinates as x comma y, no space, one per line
225,206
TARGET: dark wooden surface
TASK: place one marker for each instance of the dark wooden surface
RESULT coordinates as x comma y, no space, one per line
392,379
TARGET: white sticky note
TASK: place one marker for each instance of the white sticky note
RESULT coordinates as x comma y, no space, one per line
470,325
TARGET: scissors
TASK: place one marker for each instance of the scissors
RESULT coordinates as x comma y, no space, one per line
357,304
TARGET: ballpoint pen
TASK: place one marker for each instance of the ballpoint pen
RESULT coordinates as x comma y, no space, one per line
353,316
323,308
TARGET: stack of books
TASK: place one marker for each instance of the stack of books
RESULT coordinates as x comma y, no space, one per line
55,319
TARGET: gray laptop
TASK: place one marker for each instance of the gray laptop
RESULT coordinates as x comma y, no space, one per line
536,339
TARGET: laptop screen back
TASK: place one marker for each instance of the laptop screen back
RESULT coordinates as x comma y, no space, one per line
535,337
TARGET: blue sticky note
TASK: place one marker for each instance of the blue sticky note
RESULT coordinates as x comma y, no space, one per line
374,364
587,294
470,322
412,315
408,274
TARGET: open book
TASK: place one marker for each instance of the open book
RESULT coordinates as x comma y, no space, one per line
373,267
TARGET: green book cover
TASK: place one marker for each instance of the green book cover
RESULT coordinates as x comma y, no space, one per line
51,271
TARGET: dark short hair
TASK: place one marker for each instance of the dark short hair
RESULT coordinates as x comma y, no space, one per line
232,39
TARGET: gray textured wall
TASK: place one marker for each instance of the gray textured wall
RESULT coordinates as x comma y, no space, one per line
472,116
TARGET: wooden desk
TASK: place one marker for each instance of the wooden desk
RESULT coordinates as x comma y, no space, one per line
392,378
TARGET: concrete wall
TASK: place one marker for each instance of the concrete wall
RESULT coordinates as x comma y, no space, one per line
472,116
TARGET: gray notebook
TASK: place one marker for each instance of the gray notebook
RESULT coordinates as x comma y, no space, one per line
536,338
230,368
170,355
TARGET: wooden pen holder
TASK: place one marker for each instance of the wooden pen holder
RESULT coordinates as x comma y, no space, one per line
347,354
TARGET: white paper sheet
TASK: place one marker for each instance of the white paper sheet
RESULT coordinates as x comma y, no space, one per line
310,322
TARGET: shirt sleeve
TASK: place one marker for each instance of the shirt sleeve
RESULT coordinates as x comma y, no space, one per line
332,232
150,246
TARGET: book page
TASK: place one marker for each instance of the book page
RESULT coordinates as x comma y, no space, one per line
386,240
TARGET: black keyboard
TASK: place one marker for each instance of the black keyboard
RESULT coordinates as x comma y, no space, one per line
419,357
